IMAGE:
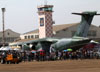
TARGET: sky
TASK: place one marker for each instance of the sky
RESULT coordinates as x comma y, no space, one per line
21,15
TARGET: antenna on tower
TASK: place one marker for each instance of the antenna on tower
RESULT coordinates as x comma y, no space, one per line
3,3
45,2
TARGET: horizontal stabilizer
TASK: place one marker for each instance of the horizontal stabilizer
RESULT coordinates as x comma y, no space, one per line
77,13
87,13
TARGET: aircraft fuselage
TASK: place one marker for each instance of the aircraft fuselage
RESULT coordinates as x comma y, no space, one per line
74,43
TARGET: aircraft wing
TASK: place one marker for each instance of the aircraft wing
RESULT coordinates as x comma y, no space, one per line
53,40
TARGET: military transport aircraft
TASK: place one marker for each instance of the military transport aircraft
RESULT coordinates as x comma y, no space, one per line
77,41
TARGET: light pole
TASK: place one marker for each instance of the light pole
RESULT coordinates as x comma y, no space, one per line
3,26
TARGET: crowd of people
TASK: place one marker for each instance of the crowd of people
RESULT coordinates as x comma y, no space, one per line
64,55
52,56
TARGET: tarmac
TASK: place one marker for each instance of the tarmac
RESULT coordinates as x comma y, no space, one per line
92,65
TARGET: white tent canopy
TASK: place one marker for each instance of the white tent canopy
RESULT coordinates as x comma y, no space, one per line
6,48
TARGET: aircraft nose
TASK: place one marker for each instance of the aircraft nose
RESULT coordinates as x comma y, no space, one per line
52,48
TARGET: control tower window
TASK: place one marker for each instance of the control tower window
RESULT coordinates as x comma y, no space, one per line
40,9
47,9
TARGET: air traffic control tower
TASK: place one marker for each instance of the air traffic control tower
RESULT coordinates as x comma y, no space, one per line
45,21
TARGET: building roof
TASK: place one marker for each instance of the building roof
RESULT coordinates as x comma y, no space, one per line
63,26
11,33
33,31
55,28
9,30
23,40
43,6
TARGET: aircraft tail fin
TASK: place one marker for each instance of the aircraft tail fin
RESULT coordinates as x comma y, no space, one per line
85,23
